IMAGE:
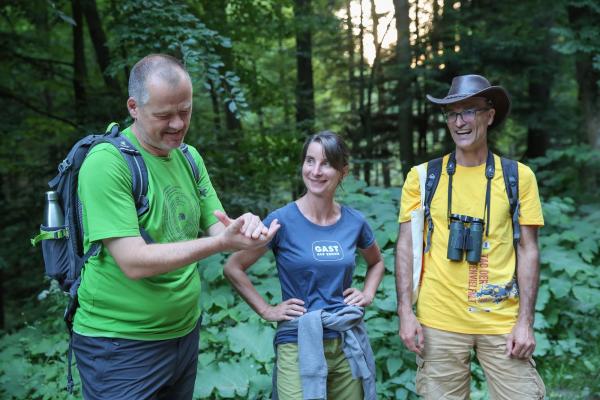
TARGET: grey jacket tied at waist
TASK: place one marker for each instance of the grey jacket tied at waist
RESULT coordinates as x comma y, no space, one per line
348,321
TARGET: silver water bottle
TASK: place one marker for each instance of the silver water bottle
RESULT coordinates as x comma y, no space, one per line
53,213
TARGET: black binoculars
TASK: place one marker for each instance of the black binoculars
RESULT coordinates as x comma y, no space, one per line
466,235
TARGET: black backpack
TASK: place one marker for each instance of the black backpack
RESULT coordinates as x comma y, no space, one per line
510,172
62,246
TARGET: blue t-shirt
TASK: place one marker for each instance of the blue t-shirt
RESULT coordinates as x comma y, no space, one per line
316,263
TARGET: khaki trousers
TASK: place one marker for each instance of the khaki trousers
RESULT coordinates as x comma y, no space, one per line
444,369
340,383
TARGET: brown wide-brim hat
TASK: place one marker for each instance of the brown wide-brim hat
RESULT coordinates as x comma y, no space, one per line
466,86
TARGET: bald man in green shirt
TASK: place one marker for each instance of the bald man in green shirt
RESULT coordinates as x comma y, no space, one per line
136,329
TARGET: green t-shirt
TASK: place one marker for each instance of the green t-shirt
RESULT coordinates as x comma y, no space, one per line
163,306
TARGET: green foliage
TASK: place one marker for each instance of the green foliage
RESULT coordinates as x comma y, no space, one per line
244,58
181,34
256,172
236,353
583,36
555,173
569,298
33,358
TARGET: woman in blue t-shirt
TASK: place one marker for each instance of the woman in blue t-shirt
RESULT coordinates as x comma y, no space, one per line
315,255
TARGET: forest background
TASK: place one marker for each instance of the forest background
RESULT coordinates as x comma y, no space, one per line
267,73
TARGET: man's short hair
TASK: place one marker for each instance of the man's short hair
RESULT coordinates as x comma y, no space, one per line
168,68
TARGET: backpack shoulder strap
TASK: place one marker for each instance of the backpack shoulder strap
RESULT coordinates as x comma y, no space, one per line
139,174
190,159
510,170
434,170
138,169
422,171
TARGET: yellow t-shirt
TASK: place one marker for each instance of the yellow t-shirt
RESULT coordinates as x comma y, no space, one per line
479,298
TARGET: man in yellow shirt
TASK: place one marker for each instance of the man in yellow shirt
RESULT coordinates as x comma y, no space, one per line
469,301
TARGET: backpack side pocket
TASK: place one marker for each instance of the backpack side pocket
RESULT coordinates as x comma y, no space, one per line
55,249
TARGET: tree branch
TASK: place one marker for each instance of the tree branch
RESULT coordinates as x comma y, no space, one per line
8,95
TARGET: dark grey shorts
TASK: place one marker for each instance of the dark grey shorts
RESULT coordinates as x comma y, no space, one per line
119,369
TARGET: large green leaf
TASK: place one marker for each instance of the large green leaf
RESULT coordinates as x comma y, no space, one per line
211,267
389,260
543,297
388,284
263,266
393,365
221,297
587,295
260,384
401,394
379,327
14,379
227,378
406,379
206,378
542,344
382,237
252,339
233,380
588,248
561,259
386,304
269,285
560,286
391,228
540,322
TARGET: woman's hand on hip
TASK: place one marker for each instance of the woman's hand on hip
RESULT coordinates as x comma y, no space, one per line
354,297
285,311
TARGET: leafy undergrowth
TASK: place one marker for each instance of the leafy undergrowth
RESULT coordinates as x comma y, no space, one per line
236,354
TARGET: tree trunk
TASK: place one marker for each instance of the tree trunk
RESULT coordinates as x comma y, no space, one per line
281,70
218,21
352,132
362,109
305,101
588,80
350,48
114,9
79,70
537,131
379,70
98,36
403,60
386,172
541,78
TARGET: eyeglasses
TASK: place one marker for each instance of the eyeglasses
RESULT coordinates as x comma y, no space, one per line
466,115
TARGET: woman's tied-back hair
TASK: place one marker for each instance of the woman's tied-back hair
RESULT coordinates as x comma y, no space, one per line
168,68
335,149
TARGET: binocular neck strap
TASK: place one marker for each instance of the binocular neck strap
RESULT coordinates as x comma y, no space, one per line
490,170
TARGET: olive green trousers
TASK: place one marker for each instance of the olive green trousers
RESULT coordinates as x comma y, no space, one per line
340,383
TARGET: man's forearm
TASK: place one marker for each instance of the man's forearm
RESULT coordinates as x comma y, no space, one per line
140,260
528,275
